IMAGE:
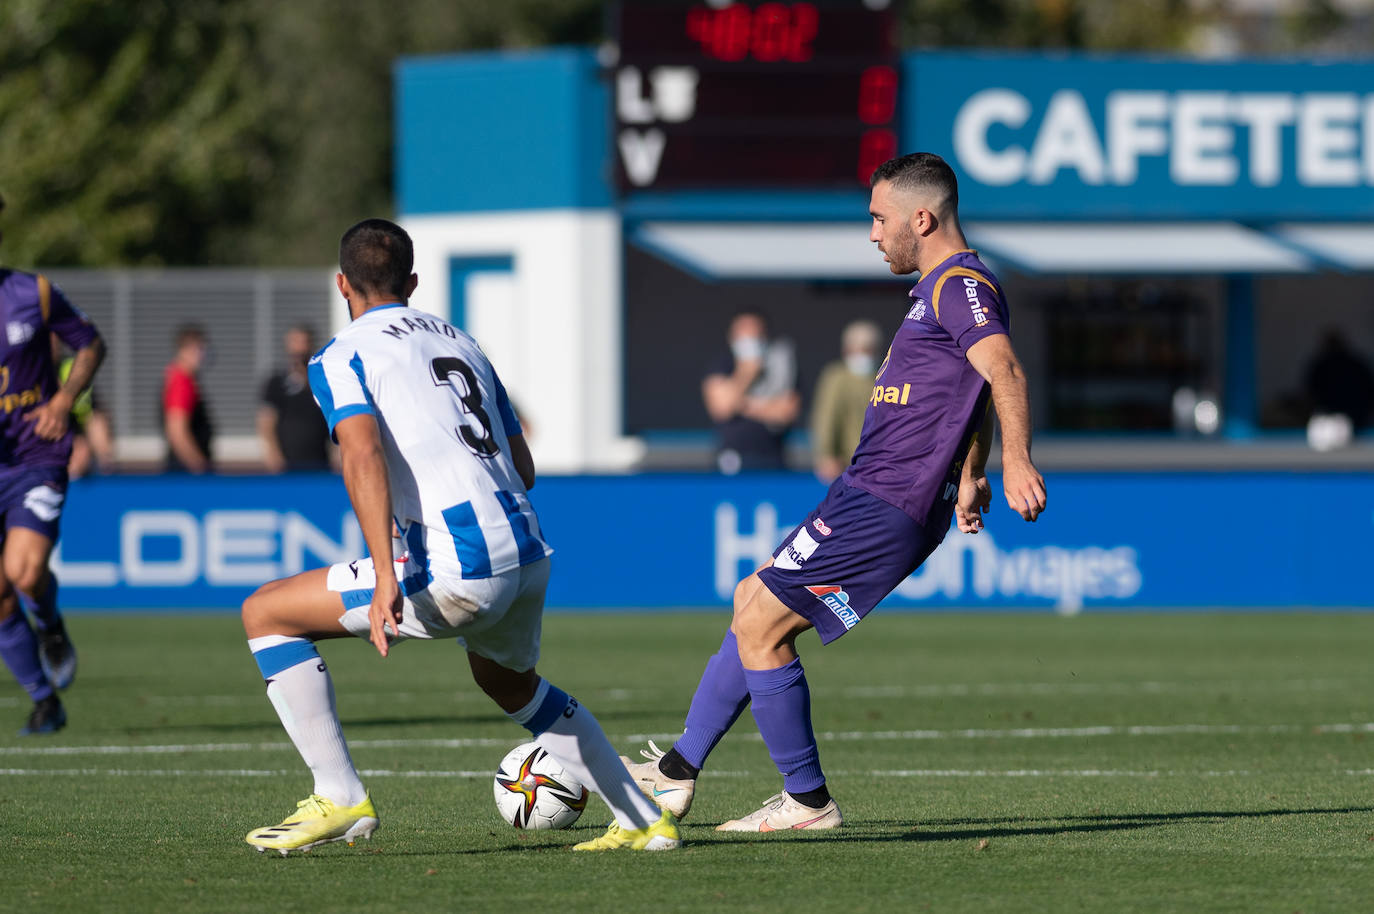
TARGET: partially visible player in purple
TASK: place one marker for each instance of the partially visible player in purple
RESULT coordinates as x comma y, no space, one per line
919,462
35,443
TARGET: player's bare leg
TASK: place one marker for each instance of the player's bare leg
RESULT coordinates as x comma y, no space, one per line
25,558
572,734
19,649
767,631
283,620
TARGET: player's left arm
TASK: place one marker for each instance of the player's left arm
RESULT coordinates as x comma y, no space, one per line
515,434
994,359
73,328
523,460
975,495
364,475
50,419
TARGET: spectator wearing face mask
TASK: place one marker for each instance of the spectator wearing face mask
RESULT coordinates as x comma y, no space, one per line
841,400
750,394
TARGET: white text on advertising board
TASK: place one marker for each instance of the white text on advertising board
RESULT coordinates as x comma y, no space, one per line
1208,138
223,548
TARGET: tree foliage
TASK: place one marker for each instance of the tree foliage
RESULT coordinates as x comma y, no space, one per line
127,131
250,131
218,131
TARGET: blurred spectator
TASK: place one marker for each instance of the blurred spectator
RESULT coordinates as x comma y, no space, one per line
92,443
750,395
841,400
292,428
1339,381
186,421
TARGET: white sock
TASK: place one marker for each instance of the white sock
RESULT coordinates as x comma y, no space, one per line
578,741
303,695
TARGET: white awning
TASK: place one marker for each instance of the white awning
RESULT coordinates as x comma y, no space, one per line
766,250
841,250
1349,247
1133,247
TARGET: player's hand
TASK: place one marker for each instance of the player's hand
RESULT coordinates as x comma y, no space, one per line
975,496
50,419
1024,488
384,610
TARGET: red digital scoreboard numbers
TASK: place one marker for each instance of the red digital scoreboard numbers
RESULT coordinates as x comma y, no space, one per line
764,95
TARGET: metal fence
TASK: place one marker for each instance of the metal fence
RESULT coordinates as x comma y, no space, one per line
244,313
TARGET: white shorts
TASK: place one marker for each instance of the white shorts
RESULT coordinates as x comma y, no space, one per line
499,617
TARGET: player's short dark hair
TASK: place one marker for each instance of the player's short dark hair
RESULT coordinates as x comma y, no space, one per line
377,257
920,171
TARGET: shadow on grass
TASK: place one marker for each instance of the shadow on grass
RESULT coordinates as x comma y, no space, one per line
973,829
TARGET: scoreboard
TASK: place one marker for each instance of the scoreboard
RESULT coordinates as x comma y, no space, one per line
770,95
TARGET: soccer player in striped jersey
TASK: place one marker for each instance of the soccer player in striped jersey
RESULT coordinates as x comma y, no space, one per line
35,444
919,462
438,472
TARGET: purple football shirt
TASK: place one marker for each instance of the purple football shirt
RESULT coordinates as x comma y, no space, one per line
928,401
28,375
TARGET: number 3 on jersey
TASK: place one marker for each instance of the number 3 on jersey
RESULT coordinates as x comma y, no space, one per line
476,430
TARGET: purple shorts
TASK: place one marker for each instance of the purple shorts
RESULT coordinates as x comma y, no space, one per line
32,497
847,555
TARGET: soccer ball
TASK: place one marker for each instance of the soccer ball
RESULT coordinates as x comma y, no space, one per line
534,790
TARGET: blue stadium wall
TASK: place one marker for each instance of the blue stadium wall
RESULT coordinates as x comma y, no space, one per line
1110,541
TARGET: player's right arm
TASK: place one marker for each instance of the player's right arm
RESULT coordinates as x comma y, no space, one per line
364,475
336,376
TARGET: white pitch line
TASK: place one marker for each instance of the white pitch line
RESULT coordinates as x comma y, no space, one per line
174,749
1051,773
898,773
844,736
1202,687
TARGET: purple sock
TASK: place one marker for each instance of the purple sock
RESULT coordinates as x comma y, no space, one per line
19,649
719,700
44,609
782,709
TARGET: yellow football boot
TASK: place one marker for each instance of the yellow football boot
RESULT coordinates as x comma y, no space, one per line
661,836
317,821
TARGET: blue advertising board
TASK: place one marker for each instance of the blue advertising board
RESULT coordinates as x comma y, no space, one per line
1108,541
1063,136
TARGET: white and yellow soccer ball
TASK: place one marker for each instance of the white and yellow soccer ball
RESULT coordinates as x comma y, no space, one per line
534,790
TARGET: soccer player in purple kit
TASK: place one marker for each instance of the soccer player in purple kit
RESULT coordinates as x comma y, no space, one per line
919,462
35,443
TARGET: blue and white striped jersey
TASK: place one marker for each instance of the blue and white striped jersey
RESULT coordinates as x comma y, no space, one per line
445,420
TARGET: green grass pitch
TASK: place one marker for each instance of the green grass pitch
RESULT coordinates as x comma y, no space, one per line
1214,762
